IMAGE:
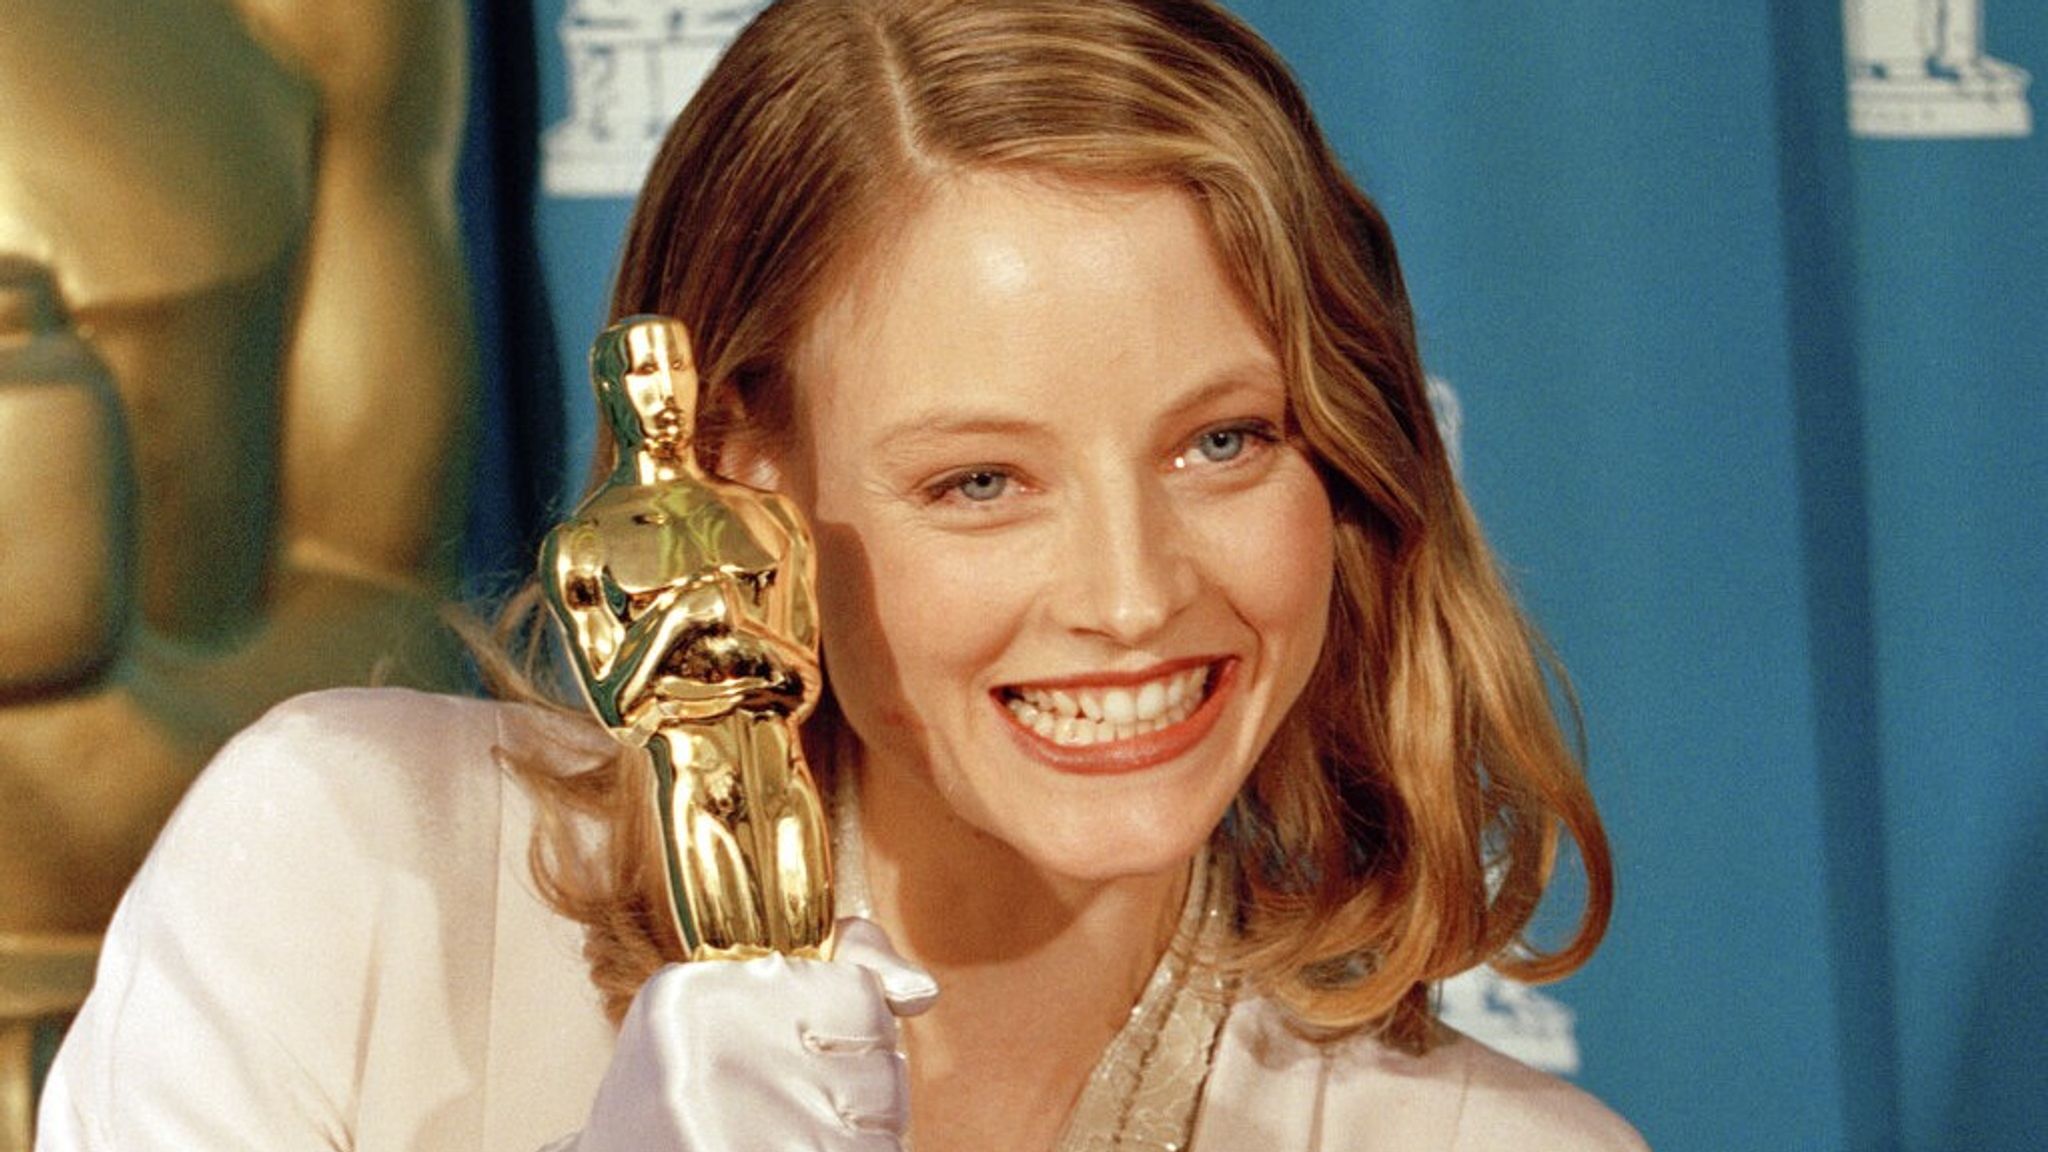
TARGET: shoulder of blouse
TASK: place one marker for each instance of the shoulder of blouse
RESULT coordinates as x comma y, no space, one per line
366,776
295,920
384,759
1274,1088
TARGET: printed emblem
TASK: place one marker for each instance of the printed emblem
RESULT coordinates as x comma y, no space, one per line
1450,419
632,64
1917,70
1511,1018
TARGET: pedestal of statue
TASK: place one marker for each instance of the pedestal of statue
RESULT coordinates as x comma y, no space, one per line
1918,69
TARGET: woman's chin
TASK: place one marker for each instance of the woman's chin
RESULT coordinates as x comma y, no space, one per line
1093,852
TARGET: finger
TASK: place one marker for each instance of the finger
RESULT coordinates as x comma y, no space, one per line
870,1092
909,989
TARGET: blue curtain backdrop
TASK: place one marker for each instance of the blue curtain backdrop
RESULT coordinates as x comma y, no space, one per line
1757,412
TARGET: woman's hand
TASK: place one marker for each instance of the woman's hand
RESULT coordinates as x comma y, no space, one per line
768,1053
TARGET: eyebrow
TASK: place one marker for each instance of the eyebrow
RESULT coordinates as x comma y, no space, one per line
907,436
904,439
1261,376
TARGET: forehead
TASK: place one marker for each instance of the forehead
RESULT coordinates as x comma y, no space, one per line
1024,289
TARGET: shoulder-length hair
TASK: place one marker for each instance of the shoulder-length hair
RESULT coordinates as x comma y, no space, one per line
1406,819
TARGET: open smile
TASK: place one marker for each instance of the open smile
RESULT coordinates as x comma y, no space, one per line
1118,724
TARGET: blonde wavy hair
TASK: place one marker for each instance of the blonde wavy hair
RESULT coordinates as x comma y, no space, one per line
1404,823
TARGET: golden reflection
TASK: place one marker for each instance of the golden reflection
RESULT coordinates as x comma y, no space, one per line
687,603
235,390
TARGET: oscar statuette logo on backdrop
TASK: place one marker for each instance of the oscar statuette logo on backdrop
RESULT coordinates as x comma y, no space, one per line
1918,70
631,65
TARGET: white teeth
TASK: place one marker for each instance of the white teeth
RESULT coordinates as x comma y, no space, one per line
1118,707
1151,701
1078,717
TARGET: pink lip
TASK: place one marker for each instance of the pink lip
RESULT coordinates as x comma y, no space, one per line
1139,752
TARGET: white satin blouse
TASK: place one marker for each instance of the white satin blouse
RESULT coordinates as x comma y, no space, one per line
336,944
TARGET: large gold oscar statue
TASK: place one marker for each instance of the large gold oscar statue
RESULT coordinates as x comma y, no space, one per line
688,606
235,386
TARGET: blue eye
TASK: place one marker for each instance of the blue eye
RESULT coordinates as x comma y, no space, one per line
1237,445
980,486
1220,444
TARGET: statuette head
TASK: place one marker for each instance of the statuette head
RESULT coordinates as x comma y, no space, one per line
646,384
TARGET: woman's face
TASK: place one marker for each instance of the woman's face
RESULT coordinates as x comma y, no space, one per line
1071,574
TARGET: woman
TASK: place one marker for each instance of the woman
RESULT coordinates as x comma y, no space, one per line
1190,730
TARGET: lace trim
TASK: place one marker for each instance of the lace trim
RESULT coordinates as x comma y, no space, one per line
1145,1090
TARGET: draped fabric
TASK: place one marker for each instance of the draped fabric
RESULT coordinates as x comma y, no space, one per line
1756,411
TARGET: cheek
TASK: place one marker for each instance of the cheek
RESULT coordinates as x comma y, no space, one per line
1281,571
857,657
910,624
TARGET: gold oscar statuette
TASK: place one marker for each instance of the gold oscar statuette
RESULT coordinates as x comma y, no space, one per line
688,607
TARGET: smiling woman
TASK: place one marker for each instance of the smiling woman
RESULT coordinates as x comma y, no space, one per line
1180,729
1059,527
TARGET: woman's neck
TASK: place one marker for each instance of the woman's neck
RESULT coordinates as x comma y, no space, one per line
1036,972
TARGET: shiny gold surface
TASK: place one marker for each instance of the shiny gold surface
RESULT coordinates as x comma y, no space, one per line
235,383
17,1084
43,979
688,606
67,571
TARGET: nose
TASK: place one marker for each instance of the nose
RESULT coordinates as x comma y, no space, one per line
1127,570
